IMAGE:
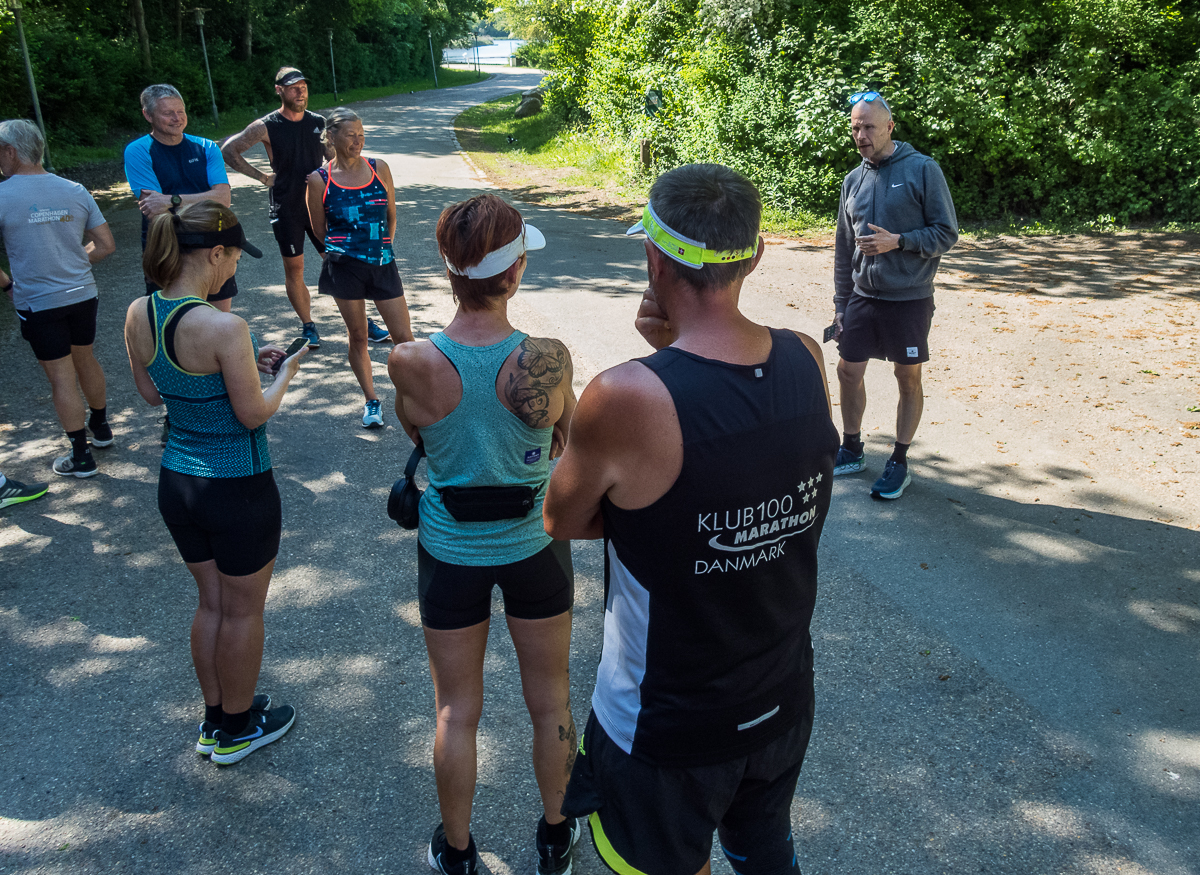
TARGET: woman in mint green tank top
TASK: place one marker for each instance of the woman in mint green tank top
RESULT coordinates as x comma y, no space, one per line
216,491
491,406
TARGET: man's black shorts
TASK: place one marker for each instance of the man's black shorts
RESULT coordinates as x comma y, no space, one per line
896,331
235,520
53,332
457,596
290,224
660,819
352,279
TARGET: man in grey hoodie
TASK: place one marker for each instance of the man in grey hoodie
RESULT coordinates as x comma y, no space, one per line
895,221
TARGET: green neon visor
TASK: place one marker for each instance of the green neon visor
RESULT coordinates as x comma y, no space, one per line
685,250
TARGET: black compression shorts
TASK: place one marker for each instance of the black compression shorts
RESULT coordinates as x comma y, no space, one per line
896,331
290,225
458,596
234,520
660,819
53,332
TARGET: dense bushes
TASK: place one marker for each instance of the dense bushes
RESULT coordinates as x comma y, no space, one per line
88,64
1072,110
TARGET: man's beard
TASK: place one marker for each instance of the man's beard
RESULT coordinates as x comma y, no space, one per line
296,105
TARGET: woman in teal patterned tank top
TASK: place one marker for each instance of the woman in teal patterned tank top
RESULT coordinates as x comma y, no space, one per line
492,406
216,491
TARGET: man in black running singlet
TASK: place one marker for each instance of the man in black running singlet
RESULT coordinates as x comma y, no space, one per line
706,467
291,136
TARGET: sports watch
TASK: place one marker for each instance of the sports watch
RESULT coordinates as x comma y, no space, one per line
900,243
176,200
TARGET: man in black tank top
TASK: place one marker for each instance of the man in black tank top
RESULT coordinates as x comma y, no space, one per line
707,469
291,136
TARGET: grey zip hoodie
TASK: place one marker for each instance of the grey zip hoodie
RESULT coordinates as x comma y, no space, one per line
905,193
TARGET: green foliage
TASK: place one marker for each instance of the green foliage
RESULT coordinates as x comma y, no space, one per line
88,64
1067,110
536,54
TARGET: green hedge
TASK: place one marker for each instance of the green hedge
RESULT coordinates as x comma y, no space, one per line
1071,110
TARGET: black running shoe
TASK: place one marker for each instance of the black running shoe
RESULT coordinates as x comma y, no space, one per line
556,859
437,856
15,492
208,731
263,728
102,435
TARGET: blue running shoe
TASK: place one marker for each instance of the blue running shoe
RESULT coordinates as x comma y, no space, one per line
372,414
377,334
208,731
848,463
893,482
310,332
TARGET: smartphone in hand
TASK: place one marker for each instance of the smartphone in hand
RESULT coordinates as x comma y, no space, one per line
830,333
295,346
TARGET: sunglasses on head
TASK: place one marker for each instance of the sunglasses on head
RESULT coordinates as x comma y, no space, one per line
869,97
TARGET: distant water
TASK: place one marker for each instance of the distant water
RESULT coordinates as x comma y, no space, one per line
500,52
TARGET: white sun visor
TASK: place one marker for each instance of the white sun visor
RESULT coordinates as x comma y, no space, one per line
499,260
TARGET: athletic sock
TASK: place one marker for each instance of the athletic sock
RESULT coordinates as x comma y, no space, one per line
554,833
235,724
853,442
79,445
99,417
213,714
454,856
900,454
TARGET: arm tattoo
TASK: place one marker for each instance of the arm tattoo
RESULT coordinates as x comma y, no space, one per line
541,366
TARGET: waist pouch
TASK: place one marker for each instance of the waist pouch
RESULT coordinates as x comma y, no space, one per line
485,504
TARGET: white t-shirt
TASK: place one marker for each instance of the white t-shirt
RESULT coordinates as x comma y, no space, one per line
42,219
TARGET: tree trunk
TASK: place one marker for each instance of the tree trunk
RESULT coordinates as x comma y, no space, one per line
178,21
139,22
248,33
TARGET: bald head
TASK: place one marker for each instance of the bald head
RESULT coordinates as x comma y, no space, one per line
871,127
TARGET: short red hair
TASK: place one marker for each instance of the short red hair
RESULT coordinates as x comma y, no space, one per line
466,233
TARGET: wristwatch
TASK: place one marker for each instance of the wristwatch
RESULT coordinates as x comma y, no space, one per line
900,243
176,200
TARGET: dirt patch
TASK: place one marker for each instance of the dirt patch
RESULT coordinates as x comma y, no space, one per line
106,181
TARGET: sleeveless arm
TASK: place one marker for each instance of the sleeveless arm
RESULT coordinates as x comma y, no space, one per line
316,205
137,330
385,176
252,404
255,132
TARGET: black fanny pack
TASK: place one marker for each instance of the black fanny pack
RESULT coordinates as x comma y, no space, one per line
404,501
485,504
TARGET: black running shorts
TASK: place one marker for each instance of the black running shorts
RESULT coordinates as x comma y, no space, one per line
352,279
53,332
458,596
290,225
234,520
896,331
660,819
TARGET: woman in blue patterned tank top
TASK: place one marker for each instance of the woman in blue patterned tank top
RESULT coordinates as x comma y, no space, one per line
216,491
352,207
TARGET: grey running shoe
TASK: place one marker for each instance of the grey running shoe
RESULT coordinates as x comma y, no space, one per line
848,463
15,492
891,485
66,466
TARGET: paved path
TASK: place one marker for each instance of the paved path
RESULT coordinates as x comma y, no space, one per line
1006,666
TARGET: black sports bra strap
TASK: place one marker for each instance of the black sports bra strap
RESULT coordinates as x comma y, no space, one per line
171,326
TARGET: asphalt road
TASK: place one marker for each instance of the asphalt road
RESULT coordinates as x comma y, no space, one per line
1006,663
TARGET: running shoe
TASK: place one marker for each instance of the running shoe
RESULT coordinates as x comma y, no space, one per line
208,731
556,859
102,435
67,466
848,463
376,333
15,492
437,856
372,414
263,728
310,331
891,485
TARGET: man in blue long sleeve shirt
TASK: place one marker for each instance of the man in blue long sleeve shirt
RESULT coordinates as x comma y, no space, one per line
895,221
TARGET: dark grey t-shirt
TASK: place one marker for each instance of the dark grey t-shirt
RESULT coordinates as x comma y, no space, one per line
42,219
